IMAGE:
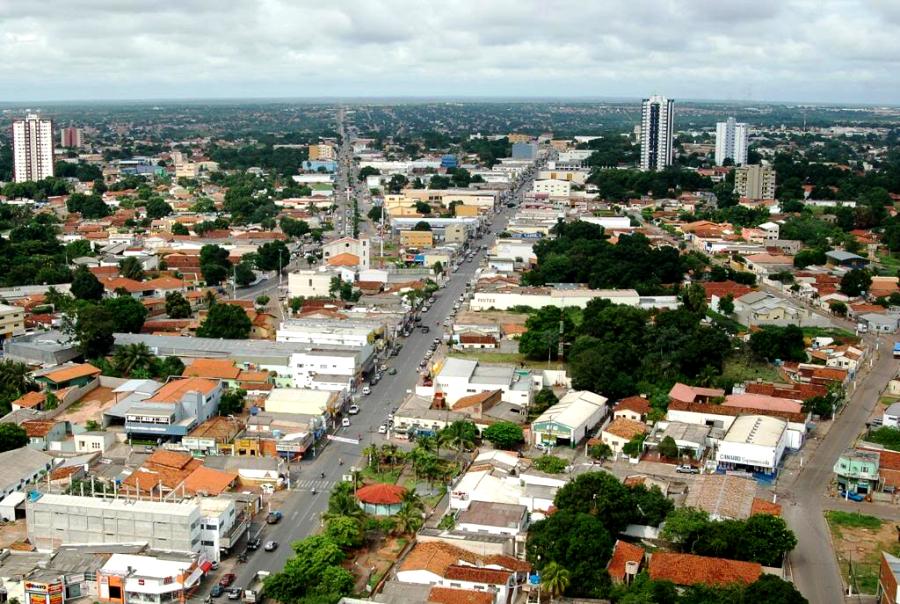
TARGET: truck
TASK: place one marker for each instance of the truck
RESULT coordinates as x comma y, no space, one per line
253,593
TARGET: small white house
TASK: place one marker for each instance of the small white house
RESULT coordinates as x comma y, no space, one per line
891,416
93,442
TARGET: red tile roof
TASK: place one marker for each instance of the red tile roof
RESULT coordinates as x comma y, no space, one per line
763,506
212,368
638,404
474,574
734,411
381,494
447,595
209,481
71,372
38,427
688,569
30,400
623,552
175,390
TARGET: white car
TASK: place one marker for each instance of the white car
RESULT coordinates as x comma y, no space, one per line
353,410
366,390
382,429
345,422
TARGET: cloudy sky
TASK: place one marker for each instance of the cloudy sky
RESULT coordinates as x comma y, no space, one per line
792,50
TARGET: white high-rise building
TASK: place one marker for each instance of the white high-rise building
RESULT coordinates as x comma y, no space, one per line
32,148
657,119
731,141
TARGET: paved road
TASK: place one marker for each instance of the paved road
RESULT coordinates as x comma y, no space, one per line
813,563
302,509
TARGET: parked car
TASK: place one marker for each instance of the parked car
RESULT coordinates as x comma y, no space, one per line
274,517
353,410
234,593
216,591
253,544
687,469
366,390
392,371
271,546
227,579
425,329
382,429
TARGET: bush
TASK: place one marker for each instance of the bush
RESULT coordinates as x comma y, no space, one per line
550,464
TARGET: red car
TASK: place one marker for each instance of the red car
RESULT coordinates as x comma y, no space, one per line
227,579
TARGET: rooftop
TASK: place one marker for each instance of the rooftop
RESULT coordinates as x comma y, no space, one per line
688,569
756,430
623,552
626,428
722,496
175,391
71,372
485,513
124,505
223,369
381,494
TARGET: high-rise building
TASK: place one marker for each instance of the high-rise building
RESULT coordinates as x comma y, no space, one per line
321,151
657,119
32,148
70,137
755,182
731,142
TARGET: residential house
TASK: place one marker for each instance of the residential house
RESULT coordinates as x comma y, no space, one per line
626,561
891,416
94,442
857,471
722,496
687,569
635,408
68,376
692,394
620,431
495,519
42,432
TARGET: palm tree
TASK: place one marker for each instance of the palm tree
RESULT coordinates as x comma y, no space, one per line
555,579
209,298
412,501
460,435
133,356
343,503
15,376
407,521
371,453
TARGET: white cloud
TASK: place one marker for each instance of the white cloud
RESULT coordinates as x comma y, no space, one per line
827,50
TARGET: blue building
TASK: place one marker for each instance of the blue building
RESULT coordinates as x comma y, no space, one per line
527,151
320,165
449,162
171,411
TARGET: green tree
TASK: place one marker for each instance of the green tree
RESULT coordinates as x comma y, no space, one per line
12,437
168,367
307,571
422,225
243,274
374,213
668,447
296,303
128,313
294,228
770,589
214,264
855,282
555,579
543,400
131,357
345,531
693,297
131,268
550,464
272,256
232,401
684,527
600,452
180,229
226,321
423,208
78,248
773,342
157,208
838,308
766,539
177,306
94,328
635,446
85,285
461,435
504,435
726,305
541,338
89,206
262,301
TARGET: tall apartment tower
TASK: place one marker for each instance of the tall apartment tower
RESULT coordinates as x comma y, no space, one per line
657,119
32,148
731,142
70,137
755,181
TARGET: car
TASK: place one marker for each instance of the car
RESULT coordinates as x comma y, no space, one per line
253,544
687,469
366,390
374,379
425,329
227,579
271,546
235,593
216,591
345,423
353,410
392,371
382,429
214,565
390,416
395,352
274,517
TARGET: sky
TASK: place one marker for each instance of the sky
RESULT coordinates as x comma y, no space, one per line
832,51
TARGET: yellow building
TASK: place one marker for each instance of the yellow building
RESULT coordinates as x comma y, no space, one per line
464,210
417,239
518,138
321,152
12,321
560,144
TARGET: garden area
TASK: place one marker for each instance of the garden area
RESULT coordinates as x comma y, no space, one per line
858,543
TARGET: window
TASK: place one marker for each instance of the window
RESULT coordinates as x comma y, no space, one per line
208,543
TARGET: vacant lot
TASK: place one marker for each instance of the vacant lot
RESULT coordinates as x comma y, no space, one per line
858,543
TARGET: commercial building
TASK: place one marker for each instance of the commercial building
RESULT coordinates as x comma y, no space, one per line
657,121
755,182
857,471
755,443
310,283
131,578
459,378
568,421
327,332
552,187
56,520
504,298
173,410
527,151
32,148
417,239
12,321
222,524
347,251
321,151
21,467
731,142
70,137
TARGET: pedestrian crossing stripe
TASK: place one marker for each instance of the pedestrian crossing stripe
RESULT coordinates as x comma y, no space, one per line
320,485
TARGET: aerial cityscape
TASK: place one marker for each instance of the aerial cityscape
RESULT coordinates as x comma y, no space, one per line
449,305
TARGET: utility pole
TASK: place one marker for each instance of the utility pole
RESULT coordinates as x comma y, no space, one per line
234,281
279,267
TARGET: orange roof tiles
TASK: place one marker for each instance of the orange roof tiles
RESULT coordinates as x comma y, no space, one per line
169,459
474,574
436,557
474,399
381,494
763,402
175,390
344,259
688,569
638,404
626,428
212,368
448,595
254,376
763,506
30,400
209,481
38,427
683,392
623,552
734,411
71,372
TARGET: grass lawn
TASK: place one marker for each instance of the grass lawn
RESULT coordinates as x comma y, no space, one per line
831,332
385,475
888,400
858,543
889,263
510,358
740,368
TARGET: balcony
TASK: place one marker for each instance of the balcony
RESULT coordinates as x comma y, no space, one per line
241,523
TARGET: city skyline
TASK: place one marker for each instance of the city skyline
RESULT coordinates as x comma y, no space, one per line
704,51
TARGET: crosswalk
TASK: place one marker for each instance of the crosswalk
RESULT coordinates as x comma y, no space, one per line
321,486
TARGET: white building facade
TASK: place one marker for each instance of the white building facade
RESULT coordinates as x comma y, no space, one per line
32,148
657,121
731,142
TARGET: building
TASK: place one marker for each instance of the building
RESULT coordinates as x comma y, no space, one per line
888,579
12,322
526,150
310,283
494,519
348,252
722,496
620,431
70,137
42,432
625,562
552,187
505,298
21,467
173,410
381,499
657,121
857,471
635,408
321,151
417,239
755,182
460,378
129,578
56,520
755,443
32,148
93,442
568,421
329,332
688,569
222,524
731,142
